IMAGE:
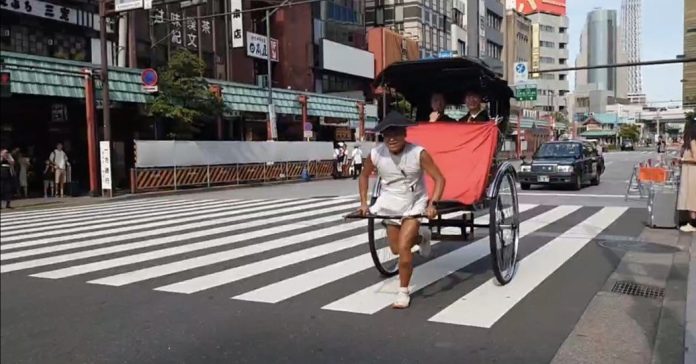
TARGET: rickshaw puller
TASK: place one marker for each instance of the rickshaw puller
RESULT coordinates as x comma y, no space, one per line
401,165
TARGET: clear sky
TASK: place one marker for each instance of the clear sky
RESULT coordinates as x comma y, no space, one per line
662,38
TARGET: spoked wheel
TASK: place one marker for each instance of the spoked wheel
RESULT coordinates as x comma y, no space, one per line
386,262
504,225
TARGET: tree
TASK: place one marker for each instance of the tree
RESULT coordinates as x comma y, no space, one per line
631,132
184,96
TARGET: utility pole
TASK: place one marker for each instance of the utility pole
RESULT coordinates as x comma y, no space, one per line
271,107
104,73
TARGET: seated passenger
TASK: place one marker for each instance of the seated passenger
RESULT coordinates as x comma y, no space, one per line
438,103
477,111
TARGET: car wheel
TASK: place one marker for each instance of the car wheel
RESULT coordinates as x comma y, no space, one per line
578,183
525,186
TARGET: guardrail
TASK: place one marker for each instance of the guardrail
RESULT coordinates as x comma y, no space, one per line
165,178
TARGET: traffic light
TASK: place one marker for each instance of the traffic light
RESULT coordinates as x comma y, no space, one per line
5,88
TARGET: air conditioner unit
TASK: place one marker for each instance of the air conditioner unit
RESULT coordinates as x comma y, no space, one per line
262,81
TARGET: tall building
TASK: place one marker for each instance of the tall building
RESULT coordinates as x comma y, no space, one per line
459,27
689,77
549,48
601,44
427,21
630,42
518,37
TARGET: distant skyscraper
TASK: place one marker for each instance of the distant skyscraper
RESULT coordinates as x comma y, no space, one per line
630,42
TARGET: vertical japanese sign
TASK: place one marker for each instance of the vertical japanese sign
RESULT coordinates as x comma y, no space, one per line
237,24
105,156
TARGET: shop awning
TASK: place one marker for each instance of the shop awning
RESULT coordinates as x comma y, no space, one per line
333,107
241,97
34,75
598,133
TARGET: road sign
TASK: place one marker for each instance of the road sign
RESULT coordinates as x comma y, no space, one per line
147,4
105,157
527,92
521,72
123,5
150,79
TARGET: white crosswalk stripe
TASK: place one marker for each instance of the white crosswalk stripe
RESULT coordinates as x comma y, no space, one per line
129,243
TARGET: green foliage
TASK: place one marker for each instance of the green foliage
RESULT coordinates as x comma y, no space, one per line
631,132
184,96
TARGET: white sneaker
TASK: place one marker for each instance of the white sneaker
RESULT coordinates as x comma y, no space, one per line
688,228
424,244
402,298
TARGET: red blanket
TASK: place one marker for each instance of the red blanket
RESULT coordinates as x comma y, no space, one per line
463,152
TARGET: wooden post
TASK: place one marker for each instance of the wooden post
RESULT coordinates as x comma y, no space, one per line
303,106
90,114
361,113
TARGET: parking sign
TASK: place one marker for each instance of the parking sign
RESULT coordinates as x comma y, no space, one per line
521,71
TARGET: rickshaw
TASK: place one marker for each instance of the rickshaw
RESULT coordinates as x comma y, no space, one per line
466,153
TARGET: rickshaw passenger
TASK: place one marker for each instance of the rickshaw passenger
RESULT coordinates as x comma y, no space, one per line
400,165
477,111
438,103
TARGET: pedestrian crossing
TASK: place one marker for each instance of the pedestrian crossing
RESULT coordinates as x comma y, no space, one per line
180,246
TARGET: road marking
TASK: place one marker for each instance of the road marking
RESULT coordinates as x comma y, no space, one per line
380,295
150,215
60,217
155,222
220,212
115,262
569,195
13,217
485,305
210,259
302,283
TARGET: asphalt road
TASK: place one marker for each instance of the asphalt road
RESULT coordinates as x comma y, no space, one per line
274,275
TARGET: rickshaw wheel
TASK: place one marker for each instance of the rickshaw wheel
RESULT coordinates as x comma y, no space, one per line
504,224
385,261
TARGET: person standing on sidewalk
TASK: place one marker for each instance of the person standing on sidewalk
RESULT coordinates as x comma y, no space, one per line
7,178
59,160
357,158
687,186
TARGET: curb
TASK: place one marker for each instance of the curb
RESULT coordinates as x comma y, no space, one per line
669,339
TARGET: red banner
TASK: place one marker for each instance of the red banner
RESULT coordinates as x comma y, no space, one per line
463,152
555,7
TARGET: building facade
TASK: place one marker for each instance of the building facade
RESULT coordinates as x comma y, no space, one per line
689,78
427,21
459,27
485,19
549,44
630,43
518,36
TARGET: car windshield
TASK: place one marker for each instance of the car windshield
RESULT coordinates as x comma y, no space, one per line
558,150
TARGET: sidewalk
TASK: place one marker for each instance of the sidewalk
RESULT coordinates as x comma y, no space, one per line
690,329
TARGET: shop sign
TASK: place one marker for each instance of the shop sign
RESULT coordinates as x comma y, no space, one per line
257,46
105,157
50,11
342,134
328,121
123,5
237,24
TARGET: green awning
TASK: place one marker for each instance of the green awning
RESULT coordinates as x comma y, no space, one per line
45,76
598,133
35,75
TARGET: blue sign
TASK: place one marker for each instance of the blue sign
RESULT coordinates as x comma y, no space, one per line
149,77
445,54
520,68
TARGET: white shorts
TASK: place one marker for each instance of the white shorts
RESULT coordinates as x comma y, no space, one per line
390,204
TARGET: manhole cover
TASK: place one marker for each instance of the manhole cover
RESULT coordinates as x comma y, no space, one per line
636,245
637,289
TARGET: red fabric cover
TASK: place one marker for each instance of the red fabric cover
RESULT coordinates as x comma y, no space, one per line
463,152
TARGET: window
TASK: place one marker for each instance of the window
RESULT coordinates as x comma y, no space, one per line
547,44
562,45
493,20
458,18
562,61
493,50
547,76
461,47
546,28
562,30
562,77
548,60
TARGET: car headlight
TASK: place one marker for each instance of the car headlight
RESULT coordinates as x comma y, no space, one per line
525,168
565,169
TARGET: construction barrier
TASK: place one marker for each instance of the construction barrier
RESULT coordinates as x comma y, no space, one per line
165,178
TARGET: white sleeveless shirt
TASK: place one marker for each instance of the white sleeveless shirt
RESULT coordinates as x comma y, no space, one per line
403,190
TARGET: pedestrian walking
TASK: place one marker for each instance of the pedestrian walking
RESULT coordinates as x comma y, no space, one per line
687,187
357,157
7,178
59,160
48,180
